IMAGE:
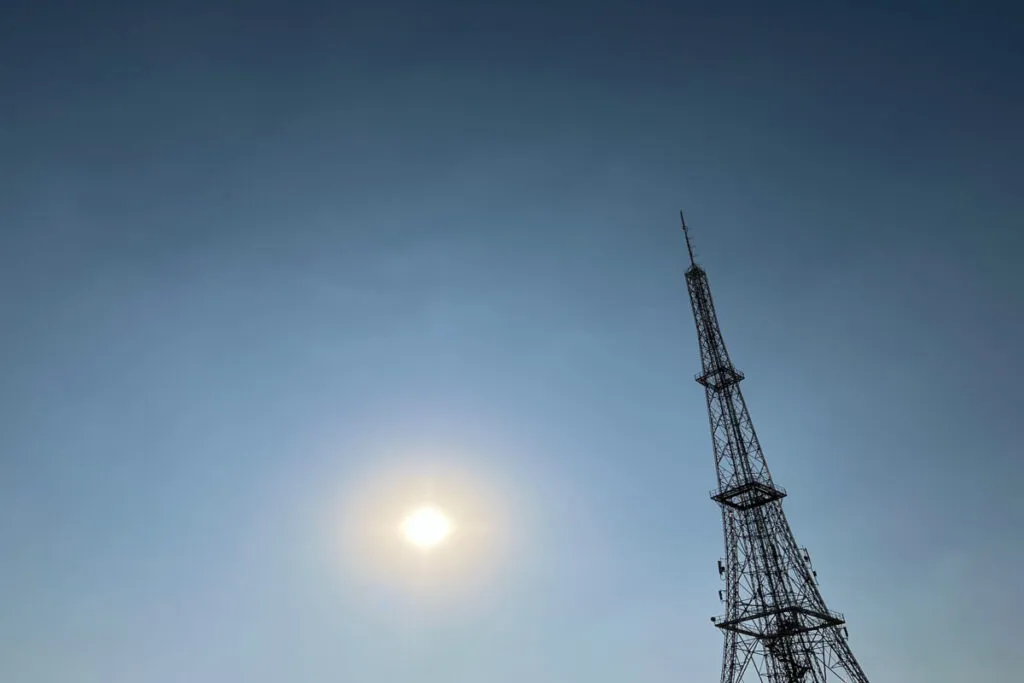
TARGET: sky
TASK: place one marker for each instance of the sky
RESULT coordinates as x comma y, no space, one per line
273,270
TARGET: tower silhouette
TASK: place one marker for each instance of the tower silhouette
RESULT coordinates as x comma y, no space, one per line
776,625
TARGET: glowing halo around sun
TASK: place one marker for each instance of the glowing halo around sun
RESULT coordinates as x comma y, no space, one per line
438,531
426,527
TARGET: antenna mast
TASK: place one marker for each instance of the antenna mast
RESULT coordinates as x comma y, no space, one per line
686,232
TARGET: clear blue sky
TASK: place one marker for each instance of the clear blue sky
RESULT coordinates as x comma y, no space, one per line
261,260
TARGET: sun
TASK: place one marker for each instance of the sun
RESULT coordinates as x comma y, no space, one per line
426,527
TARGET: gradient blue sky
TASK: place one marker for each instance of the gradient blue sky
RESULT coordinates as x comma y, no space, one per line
256,258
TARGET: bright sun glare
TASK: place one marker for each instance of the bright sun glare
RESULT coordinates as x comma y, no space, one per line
426,527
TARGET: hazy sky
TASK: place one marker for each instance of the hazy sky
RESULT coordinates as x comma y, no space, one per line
268,267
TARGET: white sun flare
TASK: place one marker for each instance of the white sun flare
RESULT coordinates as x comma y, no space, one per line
426,527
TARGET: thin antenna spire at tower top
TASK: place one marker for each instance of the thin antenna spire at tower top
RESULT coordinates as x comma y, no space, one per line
686,232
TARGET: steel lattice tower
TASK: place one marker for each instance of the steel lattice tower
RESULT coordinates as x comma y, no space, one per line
776,625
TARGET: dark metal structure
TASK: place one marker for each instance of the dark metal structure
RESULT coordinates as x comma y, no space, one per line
776,625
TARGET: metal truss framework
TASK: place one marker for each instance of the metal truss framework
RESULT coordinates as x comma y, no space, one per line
777,626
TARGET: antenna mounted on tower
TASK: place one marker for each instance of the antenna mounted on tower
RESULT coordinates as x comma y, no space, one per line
686,232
